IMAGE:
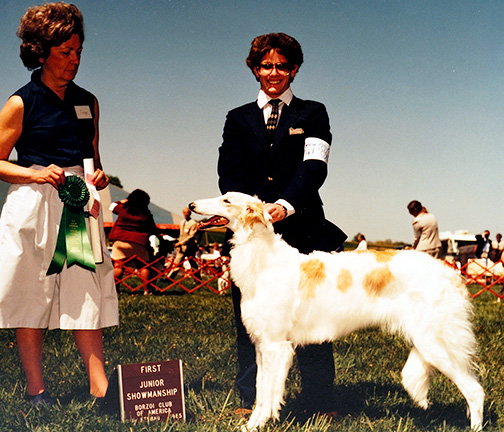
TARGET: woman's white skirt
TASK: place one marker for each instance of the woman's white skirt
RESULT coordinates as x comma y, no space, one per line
76,298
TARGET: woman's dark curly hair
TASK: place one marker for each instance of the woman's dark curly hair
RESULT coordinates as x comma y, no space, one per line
285,44
46,26
137,202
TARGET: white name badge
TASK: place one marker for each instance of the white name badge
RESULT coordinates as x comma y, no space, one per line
83,112
316,149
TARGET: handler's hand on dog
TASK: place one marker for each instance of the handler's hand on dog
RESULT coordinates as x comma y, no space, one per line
276,211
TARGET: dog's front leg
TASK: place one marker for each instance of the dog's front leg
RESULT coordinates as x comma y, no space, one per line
273,362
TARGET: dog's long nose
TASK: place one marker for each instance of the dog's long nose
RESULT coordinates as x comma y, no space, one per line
191,206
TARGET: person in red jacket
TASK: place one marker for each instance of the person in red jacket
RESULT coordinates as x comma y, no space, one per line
131,231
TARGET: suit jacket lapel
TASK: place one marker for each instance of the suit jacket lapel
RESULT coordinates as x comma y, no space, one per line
289,115
255,119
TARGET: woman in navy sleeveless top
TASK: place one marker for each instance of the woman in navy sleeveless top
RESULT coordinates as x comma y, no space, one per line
53,125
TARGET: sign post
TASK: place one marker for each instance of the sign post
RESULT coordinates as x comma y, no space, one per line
152,391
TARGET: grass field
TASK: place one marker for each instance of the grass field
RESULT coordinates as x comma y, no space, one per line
199,330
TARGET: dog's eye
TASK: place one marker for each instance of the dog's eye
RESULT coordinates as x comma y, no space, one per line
226,201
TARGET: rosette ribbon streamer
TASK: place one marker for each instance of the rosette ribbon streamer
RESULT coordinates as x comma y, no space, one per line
72,244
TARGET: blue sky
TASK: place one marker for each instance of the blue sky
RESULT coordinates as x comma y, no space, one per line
414,91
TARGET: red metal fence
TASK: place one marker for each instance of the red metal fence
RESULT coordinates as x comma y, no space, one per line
479,275
163,275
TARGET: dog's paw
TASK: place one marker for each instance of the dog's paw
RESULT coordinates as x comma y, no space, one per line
424,404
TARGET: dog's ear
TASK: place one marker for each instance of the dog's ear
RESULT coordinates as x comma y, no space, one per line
254,213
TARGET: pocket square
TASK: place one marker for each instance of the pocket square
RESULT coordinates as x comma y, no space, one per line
296,131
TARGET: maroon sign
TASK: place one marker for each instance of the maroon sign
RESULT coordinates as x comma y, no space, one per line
153,391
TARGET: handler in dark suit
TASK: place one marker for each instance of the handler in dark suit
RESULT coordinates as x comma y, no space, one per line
282,158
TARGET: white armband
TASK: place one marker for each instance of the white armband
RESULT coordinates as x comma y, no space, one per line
287,206
316,149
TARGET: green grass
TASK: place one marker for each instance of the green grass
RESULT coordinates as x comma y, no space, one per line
199,330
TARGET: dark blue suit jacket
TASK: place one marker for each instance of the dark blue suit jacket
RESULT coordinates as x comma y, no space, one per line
272,167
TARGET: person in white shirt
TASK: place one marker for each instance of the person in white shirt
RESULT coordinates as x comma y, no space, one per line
362,246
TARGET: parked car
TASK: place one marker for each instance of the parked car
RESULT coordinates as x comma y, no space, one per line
452,242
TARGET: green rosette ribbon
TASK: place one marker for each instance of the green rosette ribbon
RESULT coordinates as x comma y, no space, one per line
73,244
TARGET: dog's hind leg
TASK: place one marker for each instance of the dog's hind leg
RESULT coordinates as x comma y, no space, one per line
474,394
415,378
455,363
273,362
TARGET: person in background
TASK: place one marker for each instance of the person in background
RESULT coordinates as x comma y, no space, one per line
497,248
362,246
487,244
131,233
213,254
277,147
425,228
186,244
53,125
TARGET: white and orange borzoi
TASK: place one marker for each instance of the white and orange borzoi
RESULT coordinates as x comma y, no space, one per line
291,299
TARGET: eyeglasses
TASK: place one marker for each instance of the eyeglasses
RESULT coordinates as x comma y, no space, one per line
281,68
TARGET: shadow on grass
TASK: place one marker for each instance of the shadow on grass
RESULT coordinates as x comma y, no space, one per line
377,402
198,385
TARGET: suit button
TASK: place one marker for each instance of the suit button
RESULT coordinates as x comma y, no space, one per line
270,178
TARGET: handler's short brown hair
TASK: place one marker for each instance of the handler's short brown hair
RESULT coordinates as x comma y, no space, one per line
285,44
